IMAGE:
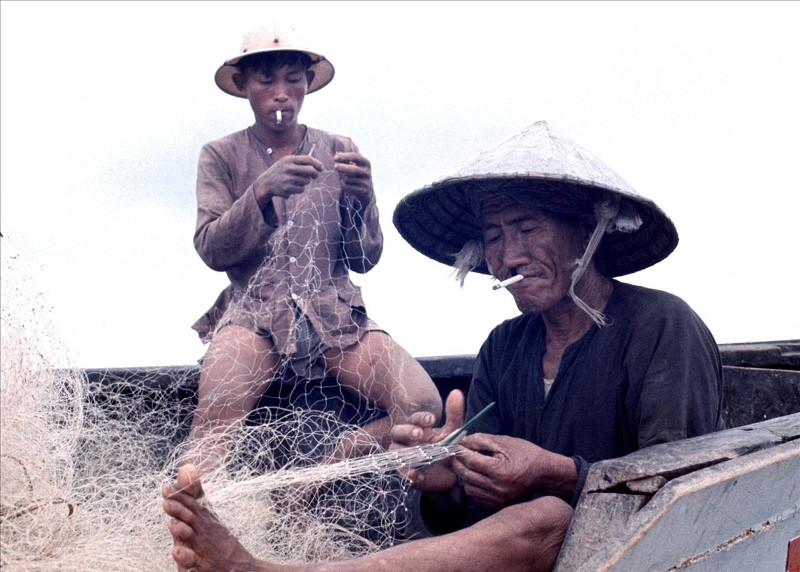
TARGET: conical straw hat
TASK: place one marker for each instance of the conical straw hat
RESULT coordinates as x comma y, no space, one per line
556,173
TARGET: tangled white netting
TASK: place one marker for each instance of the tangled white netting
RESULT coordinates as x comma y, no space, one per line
84,453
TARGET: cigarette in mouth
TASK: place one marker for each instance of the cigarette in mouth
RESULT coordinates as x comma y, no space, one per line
278,117
508,282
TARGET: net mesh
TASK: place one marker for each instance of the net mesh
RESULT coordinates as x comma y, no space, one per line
303,473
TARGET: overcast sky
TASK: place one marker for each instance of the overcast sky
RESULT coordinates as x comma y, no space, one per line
105,106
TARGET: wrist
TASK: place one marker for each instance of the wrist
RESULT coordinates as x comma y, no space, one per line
263,196
558,475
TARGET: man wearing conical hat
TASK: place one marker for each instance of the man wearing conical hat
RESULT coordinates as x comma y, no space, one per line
592,369
286,211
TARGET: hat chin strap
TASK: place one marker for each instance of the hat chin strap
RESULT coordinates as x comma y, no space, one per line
605,212
468,258
609,219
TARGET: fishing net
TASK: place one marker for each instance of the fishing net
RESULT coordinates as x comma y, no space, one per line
85,452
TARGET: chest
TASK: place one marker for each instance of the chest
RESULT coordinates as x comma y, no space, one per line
588,397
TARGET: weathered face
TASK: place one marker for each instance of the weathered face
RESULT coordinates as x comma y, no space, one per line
542,248
282,89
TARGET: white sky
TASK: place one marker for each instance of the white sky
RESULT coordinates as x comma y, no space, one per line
105,106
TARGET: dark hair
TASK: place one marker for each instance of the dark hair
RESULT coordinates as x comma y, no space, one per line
268,62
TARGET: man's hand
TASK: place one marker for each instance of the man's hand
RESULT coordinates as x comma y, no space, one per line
287,176
496,469
420,430
355,172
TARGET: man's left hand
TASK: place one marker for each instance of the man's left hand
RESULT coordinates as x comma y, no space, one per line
497,469
355,172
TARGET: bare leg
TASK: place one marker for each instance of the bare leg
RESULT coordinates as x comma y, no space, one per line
526,537
378,369
237,369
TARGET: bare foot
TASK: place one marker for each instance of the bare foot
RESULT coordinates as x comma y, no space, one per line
201,542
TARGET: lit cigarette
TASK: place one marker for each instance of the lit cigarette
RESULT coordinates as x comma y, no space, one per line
508,282
278,117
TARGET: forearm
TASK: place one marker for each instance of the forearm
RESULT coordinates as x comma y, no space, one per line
227,238
362,237
555,475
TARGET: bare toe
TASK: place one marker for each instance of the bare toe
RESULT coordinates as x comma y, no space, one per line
188,481
180,531
183,555
201,541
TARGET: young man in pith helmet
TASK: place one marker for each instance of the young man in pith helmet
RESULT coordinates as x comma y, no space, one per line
286,211
592,369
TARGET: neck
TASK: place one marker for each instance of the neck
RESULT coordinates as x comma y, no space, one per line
567,323
278,139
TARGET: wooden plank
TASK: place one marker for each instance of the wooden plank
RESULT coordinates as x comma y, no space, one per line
756,394
764,550
779,354
711,512
673,459
600,517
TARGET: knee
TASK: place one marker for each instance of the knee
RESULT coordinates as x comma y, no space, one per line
552,513
432,402
542,516
550,518
417,384
527,536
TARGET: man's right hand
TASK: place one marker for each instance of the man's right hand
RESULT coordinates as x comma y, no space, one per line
287,176
420,430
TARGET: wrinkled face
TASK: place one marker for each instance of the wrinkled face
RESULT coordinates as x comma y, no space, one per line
542,248
282,89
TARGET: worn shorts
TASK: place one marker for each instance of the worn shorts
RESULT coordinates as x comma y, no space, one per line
306,362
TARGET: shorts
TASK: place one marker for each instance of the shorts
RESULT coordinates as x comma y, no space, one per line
306,362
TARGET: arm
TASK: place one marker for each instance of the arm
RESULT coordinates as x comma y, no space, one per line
362,237
442,494
679,391
497,470
229,230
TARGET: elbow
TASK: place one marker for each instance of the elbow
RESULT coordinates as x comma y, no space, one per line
370,259
211,257
361,266
363,263
212,261
215,264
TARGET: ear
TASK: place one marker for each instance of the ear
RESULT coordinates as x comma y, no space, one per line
310,77
239,80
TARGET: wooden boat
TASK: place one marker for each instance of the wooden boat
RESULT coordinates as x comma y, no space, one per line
725,501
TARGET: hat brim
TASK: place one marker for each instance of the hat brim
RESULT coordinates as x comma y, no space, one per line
438,220
322,68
